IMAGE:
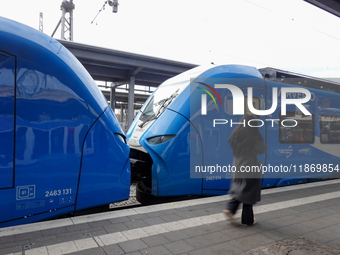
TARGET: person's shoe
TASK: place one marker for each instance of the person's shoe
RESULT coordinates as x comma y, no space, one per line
254,222
229,214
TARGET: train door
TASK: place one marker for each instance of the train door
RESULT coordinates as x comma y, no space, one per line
217,154
7,112
218,174
7,88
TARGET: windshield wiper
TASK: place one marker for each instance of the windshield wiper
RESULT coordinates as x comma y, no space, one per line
151,117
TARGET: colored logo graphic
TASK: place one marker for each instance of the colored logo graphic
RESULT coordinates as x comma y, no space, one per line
208,92
239,99
204,97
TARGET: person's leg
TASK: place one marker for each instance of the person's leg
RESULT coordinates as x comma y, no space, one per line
231,209
233,205
247,217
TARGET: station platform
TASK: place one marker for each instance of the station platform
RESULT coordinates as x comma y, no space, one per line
299,219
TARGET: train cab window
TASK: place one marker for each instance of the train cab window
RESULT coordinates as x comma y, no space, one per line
329,129
256,104
296,128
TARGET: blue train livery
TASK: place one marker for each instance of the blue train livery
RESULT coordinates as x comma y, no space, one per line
179,139
62,149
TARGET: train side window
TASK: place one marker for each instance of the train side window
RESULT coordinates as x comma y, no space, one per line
296,128
329,129
256,104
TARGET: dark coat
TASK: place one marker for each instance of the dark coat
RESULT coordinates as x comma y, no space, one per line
246,186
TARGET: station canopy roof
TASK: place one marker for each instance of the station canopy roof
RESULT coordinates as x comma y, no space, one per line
332,6
117,66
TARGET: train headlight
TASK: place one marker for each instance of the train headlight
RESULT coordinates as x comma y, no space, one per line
160,139
120,137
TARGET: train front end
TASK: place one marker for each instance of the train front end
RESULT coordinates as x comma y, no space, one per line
158,140
171,142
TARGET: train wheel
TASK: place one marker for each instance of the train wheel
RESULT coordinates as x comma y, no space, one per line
143,194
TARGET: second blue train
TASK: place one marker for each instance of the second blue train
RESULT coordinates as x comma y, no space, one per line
179,139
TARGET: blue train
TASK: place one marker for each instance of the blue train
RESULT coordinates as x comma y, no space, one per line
179,140
62,149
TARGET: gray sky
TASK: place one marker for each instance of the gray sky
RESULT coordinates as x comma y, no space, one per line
287,34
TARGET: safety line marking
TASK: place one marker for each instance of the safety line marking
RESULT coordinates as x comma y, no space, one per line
20,229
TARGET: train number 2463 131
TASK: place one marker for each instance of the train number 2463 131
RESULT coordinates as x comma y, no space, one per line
58,192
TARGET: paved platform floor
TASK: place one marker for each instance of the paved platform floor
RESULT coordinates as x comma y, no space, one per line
294,220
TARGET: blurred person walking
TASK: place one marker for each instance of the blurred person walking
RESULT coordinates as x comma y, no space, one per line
246,143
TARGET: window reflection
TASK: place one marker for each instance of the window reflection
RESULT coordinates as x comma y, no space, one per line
299,131
330,129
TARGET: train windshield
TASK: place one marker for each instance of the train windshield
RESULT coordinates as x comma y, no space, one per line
166,94
160,100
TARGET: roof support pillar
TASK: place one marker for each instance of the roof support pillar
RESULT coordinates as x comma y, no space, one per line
122,113
113,98
131,99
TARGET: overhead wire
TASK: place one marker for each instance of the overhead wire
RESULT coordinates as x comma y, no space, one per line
303,24
324,33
